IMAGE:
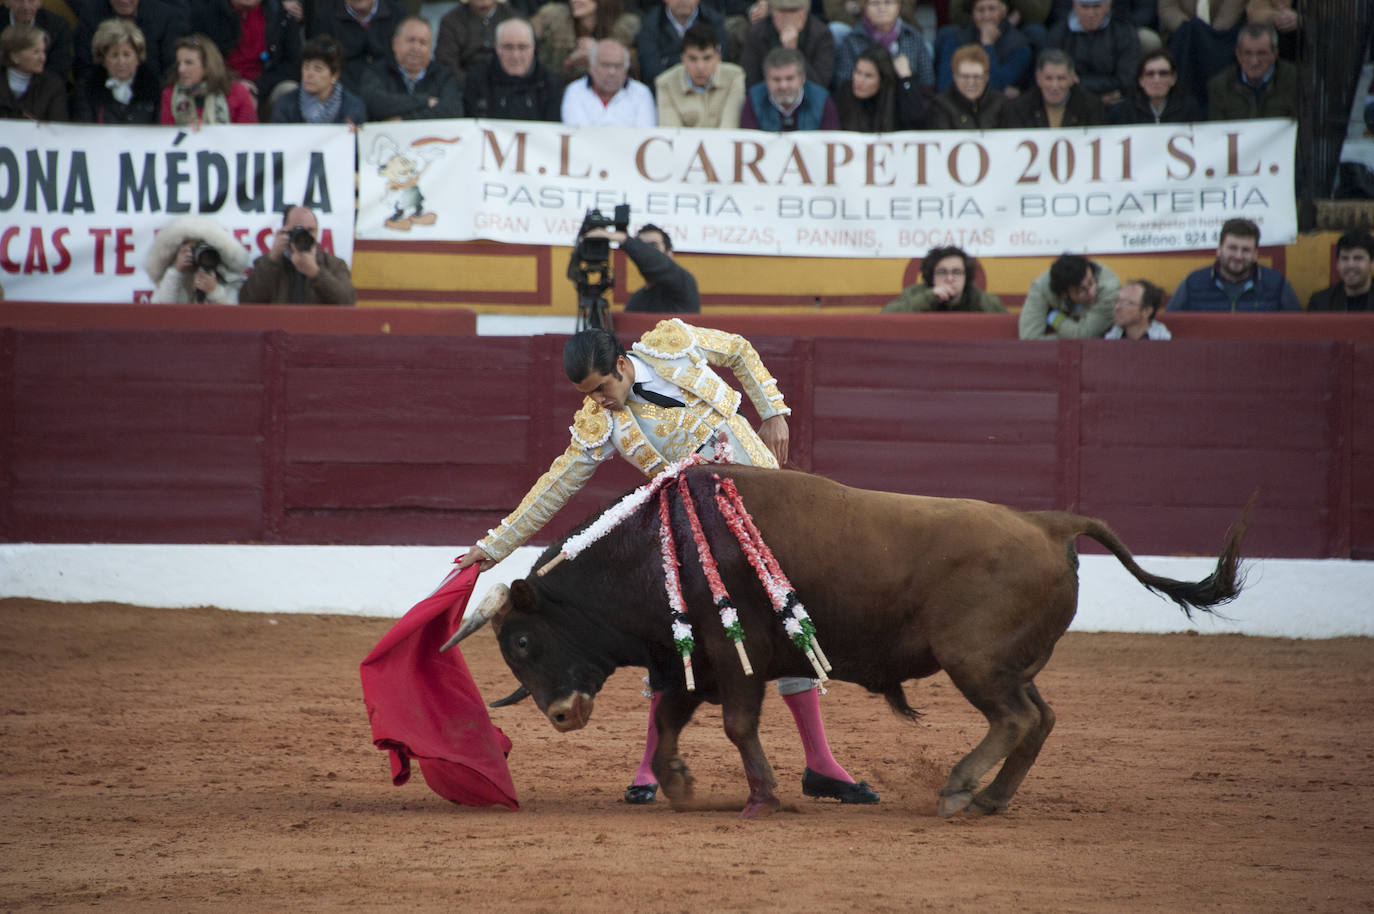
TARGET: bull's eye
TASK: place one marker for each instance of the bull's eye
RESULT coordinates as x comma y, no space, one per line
522,643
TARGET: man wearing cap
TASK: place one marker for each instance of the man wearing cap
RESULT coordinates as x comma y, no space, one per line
789,24
1056,100
1105,48
657,404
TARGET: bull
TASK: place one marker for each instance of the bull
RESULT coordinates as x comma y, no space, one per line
898,586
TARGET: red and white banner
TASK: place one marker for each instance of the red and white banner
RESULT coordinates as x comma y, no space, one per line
832,194
79,205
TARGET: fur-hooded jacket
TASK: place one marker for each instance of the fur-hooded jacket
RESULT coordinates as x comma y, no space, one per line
175,287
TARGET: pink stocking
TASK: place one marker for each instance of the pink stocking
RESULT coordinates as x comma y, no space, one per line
806,711
645,773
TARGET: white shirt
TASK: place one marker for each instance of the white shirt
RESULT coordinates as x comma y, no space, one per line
1157,331
632,106
652,380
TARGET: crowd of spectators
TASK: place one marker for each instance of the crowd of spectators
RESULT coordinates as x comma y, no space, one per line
993,63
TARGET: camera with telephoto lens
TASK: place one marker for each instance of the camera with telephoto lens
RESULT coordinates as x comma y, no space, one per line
301,239
205,257
590,267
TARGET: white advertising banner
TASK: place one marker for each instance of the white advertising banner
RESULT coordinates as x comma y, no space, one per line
832,194
79,205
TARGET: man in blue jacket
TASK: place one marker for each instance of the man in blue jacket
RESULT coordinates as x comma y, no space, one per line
786,100
1236,282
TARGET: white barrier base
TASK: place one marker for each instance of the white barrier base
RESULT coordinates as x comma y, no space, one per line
1288,598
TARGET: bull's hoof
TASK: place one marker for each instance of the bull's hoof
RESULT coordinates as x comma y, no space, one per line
677,783
953,803
985,806
760,807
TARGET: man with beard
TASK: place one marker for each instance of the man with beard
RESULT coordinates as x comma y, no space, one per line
1236,282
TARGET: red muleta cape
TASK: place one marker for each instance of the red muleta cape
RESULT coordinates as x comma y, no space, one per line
424,705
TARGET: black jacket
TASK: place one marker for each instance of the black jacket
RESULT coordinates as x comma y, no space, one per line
951,111
217,19
1179,108
492,92
45,99
92,103
671,288
1028,110
161,24
1333,298
660,46
361,47
1105,59
386,95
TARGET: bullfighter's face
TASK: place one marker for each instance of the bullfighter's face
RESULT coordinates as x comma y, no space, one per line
610,391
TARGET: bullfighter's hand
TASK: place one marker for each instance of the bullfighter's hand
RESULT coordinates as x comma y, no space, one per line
475,555
774,433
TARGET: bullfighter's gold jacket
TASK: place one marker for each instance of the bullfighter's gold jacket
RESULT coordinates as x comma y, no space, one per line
653,437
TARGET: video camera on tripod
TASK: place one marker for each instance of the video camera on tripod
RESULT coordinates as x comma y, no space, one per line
589,268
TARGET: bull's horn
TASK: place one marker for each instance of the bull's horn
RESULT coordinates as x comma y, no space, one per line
519,694
492,603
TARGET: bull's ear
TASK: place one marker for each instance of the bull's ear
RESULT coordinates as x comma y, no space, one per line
522,596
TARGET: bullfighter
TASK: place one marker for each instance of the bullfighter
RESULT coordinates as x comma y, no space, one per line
655,405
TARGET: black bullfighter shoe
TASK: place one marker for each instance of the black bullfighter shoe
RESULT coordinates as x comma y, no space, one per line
639,794
818,785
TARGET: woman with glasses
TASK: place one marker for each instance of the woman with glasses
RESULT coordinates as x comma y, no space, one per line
201,90
1008,49
1156,97
882,25
971,103
877,98
946,285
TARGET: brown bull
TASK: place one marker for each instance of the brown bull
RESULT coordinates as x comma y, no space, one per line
899,587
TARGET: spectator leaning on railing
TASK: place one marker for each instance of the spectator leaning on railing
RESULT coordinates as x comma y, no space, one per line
297,271
1236,281
1354,264
1133,316
946,285
1073,299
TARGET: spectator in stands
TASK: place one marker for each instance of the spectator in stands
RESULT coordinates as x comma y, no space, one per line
1236,282
201,91
703,90
667,286
26,89
122,88
882,26
31,12
1073,299
971,103
879,97
513,84
1056,100
1156,97
408,87
161,24
1105,48
260,40
1354,263
297,271
1007,48
1201,34
1027,15
564,33
606,96
320,97
1143,14
1283,17
660,40
1133,316
193,259
786,100
467,35
789,25
363,29
946,285
1258,84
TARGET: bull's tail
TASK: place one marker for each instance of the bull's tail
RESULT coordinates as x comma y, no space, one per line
1221,586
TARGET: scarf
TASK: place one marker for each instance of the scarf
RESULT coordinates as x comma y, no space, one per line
314,111
19,82
886,39
214,109
121,89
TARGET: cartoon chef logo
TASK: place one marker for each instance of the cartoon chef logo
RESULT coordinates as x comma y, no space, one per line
401,170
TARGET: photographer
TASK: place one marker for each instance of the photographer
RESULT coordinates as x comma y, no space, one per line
195,260
668,287
297,271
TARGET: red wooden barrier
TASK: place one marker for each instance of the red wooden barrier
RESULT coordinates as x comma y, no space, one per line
269,436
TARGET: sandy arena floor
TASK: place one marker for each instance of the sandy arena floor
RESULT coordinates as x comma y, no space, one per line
184,760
